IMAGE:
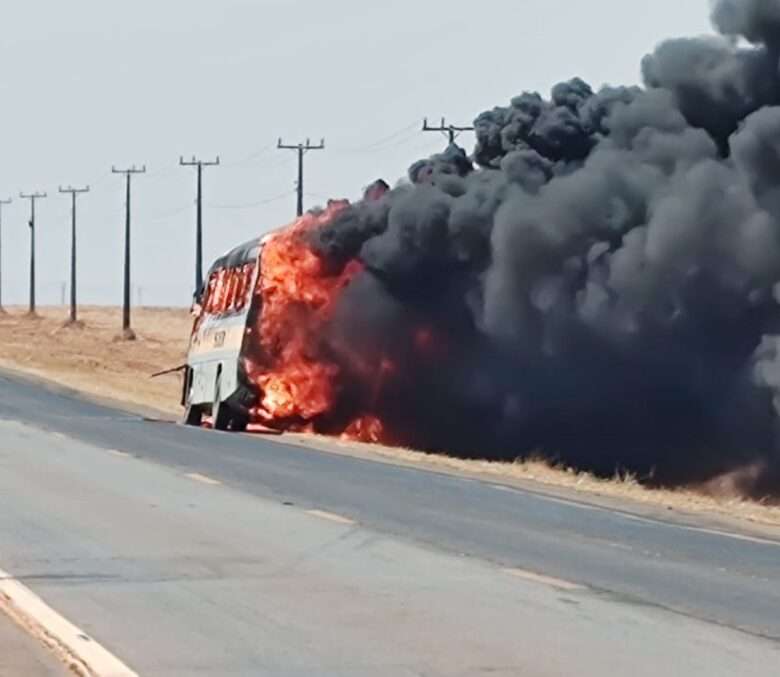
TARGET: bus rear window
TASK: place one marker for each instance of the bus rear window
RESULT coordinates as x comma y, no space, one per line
228,290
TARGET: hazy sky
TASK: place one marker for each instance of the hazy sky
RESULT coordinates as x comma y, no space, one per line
85,84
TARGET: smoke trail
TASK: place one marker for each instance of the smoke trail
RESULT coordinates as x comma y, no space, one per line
603,286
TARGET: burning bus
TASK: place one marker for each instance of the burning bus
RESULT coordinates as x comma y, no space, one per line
252,357
213,380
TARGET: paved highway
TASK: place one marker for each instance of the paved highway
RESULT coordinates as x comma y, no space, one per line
189,552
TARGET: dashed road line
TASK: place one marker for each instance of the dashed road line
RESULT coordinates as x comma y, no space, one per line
116,452
203,479
330,516
546,580
38,618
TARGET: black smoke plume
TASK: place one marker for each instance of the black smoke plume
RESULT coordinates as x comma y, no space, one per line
600,281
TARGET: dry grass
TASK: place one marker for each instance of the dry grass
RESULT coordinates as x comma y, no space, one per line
90,360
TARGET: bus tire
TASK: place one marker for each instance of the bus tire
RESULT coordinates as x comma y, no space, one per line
239,423
193,415
220,411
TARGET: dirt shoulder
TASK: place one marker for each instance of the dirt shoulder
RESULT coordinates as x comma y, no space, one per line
90,361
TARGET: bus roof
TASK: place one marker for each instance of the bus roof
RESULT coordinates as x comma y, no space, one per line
239,256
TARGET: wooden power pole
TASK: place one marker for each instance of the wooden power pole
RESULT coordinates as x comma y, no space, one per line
32,197
127,333
199,164
301,149
2,203
74,193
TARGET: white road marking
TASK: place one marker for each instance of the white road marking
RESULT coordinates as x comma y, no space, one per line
116,452
330,516
58,632
202,478
703,530
546,580
638,518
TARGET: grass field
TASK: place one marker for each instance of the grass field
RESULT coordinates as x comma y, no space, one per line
89,358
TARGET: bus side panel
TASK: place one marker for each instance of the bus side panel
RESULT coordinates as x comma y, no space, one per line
216,348
204,378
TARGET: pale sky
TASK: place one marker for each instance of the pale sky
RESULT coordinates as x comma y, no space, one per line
85,84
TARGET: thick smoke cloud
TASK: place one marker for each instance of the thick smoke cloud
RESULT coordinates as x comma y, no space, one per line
602,284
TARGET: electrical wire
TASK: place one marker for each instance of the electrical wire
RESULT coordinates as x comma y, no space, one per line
250,205
385,140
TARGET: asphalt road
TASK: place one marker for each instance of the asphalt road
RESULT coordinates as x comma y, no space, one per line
192,552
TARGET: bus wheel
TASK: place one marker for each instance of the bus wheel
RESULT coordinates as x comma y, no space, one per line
220,412
193,415
239,423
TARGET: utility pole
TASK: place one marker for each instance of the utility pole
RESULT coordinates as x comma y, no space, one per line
2,202
200,164
73,192
302,149
32,197
127,333
451,131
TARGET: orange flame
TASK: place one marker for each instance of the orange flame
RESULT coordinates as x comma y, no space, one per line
364,429
298,296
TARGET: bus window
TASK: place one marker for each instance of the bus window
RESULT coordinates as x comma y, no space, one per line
230,302
244,283
228,290
219,292
208,304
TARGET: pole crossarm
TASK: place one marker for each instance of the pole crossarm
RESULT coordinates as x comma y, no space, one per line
129,170
198,163
33,196
450,131
301,146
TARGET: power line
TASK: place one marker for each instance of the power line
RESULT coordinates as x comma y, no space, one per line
400,136
2,202
127,333
451,131
74,193
169,215
301,149
249,158
200,164
100,180
250,205
32,197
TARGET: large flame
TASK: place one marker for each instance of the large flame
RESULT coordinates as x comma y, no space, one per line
298,384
